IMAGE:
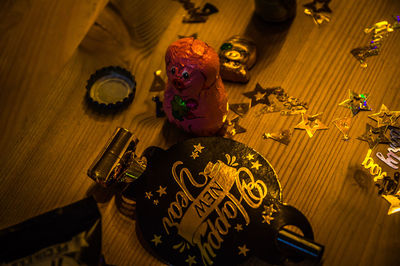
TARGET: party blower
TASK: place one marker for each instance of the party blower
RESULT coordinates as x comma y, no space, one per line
208,200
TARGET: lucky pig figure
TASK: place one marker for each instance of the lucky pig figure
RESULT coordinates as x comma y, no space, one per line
195,98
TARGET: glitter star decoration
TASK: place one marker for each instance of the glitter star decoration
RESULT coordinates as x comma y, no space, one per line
240,109
283,136
156,240
316,8
356,102
311,124
385,117
161,191
374,136
343,124
243,250
259,95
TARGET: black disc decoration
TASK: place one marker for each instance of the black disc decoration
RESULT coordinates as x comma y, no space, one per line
214,201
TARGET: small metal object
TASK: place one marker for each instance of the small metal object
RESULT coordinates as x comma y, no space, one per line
117,162
111,88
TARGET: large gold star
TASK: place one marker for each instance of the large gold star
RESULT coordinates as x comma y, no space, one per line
385,117
156,240
198,148
161,191
191,260
394,201
243,250
255,164
310,124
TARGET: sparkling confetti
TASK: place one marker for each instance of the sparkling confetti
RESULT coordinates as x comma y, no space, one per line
234,127
374,136
343,124
316,8
259,95
311,124
385,117
283,136
240,109
394,201
356,102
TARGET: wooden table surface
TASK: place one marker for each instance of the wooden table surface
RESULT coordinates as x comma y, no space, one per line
50,136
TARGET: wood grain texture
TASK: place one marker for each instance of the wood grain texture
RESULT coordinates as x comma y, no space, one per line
48,49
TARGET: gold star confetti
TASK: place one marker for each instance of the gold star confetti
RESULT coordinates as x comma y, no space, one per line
243,250
343,124
161,191
394,201
155,202
191,260
194,155
311,124
234,127
284,136
156,240
250,157
385,117
148,195
240,108
356,102
238,227
374,136
255,164
267,219
198,148
269,209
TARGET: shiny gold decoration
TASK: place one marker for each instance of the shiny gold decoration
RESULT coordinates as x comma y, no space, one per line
194,155
234,127
198,148
238,227
394,201
243,250
283,136
317,17
161,191
311,124
374,169
385,117
374,136
343,124
316,8
241,109
191,260
156,240
356,102
255,165
148,195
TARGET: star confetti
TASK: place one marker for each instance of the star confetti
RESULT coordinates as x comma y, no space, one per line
191,260
158,83
156,240
343,124
362,53
259,95
356,102
240,108
311,124
374,136
234,127
284,136
394,201
385,117
243,250
315,10
198,148
162,191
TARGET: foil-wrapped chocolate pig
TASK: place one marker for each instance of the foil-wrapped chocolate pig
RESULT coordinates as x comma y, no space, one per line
237,56
195,98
